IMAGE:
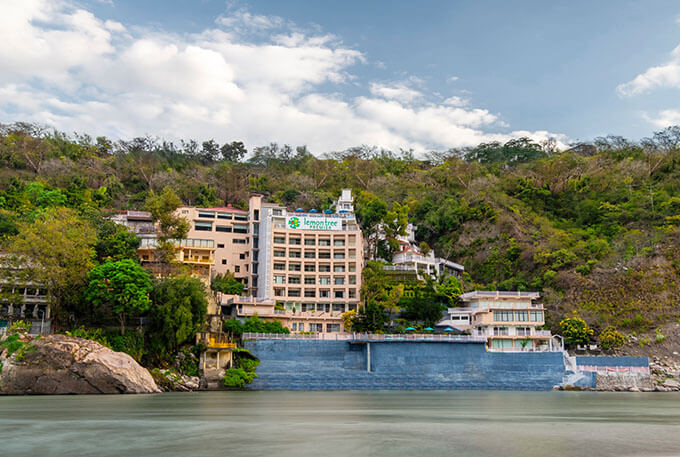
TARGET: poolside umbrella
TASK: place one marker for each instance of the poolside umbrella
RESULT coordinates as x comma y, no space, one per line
313,210
327,211
429,329
299,210
448,329
409,329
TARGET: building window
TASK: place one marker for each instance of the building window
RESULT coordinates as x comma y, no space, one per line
224,261
316,327
522,316
324,242
325,293
332,327
352,279
206,214
310,293
224,216
301,327
295,241
536,316
294,254
293,280
339,280
241,217
338,242
500,331
293,292
279,279
523,331
310,254
502,316
220,246
310,279
279,292
352,267
338,268
257,214
279,266
325,280
339,294
324,268
279,253
238,241
294,327
242,256
293,267
280,239
240,228
310,267
203,226
310,242
352,293
237,269
324,254
338,255
338,306
501,344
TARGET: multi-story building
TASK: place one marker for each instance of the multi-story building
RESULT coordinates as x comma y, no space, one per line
308,263
22,299
510,320
229,229
410,261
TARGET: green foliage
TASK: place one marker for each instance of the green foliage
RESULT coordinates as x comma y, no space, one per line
575,331
237,378
19,327
12,344
450,289
659,336
227,284
122,286
131,343
177,312
170,227
254,324
371,318
610,338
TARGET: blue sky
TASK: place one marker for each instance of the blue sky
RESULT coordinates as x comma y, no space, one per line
425,75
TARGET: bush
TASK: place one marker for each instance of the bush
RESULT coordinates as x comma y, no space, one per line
19,327
660,337
12,344
237,378
575,331
610,338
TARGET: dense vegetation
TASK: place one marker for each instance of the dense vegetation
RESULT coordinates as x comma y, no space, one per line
594,227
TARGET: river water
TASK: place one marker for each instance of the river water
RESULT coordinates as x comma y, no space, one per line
457,423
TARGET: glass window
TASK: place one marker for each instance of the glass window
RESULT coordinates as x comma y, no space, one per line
240,228
241,217
310,267
294,254
294,326
352,279
352,293
352,267
279,279
203,226
279,253
339,294
219,246
536,316
339,280
301,327
224,261
279,266
206,214
310,293
324,293
324,242
338,255
324,268
238,241
310,254
294,267
340,242
294,280
237,269
325,280
502,316
293,292
294,241
280,239
324,254
522,316
310,279
332,327
338,306
224,216
316,327
223,228
338,268
310,242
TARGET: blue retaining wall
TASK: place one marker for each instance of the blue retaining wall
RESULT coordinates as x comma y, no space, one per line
341,365
612,361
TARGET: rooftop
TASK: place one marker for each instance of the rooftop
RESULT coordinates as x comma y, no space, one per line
498,294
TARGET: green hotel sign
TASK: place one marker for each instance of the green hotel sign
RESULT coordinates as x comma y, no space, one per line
313,223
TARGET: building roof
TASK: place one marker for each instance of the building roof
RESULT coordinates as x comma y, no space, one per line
228,209
498,294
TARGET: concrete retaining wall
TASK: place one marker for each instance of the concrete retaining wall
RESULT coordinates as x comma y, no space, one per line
340,365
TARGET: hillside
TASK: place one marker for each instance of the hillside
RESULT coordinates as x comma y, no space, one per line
595,228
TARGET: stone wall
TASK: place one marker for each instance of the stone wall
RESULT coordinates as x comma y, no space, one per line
341,365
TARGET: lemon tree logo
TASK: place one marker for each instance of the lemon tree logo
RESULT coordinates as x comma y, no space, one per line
294,222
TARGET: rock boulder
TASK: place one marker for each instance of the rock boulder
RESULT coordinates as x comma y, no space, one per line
59,364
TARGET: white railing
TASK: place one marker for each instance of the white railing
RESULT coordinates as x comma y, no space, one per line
367,337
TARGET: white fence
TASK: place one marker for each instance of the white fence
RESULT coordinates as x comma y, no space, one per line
366,337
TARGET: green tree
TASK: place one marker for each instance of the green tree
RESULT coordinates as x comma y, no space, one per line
610,338
449,290
56,251
171,227
114,241
227,284
370,212
575,331
122,286
177,312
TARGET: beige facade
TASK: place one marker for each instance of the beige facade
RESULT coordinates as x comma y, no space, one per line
510,320
229,229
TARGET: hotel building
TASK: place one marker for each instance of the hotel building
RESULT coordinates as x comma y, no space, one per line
510,320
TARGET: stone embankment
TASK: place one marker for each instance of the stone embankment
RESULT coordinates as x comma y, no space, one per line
59,364
665,374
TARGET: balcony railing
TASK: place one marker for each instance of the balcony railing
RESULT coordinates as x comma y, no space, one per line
367,337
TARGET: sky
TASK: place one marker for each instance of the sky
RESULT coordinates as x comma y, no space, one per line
427,75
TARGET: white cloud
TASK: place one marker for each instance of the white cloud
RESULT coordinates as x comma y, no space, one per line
452,79
663,119
665,75
63,66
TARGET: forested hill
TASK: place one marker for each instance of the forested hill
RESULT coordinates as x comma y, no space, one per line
595,228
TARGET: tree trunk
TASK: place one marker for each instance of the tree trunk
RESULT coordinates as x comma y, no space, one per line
121,317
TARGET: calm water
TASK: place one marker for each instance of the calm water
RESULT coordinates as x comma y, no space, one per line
343,424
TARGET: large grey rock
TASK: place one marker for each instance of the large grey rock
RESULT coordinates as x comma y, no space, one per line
672,383
59,364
